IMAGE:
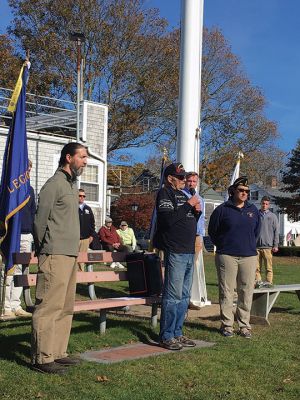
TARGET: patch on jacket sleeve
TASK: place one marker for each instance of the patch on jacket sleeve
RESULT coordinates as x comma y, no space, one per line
165,204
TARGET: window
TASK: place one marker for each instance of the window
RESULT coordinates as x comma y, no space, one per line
89,182
254,195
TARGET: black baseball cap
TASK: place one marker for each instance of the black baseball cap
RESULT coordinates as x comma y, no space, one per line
242,180
174,169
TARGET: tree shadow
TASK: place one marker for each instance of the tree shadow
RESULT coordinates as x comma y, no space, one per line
101,291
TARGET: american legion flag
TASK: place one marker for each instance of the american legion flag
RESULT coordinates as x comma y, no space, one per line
15,184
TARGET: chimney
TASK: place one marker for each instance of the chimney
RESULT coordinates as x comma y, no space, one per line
271,181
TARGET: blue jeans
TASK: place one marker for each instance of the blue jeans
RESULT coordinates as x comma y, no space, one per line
176,293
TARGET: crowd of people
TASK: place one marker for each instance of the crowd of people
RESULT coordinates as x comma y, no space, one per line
244,238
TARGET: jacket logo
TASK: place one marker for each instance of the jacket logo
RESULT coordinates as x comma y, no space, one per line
166,204
87,211
250,214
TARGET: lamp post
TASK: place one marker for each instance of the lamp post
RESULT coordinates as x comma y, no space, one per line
79,38
134,208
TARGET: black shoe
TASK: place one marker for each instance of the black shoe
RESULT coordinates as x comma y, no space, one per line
68,361
171,344
49,368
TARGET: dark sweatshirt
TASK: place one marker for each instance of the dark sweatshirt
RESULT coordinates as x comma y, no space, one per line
27,214
176,222
87,222
234,230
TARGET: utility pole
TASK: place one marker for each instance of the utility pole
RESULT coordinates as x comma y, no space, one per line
79,38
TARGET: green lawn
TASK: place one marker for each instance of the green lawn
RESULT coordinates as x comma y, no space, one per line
266,367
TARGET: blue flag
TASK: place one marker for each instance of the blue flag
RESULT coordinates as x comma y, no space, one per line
15,183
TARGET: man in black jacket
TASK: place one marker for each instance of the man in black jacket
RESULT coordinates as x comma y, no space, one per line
87,225
177,217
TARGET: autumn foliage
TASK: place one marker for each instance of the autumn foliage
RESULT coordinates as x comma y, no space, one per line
122,210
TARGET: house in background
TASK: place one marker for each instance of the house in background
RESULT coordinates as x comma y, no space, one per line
49,128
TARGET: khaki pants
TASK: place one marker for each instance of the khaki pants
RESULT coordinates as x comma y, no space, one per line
264,257
83,247
235,272
52,317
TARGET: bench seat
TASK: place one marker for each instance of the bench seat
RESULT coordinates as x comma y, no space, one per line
90,277
264,299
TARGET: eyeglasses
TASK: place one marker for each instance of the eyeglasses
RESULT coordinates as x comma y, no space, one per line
244,191
82,195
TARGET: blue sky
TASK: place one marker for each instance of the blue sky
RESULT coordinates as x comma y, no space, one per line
265,35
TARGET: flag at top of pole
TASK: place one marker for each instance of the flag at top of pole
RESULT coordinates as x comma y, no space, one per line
236,172
15,184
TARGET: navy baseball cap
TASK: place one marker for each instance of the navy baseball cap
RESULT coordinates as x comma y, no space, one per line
174,169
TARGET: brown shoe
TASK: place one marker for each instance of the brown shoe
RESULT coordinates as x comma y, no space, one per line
68,361
185,342
193,306
49,368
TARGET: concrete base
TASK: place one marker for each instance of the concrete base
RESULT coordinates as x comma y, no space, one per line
135,351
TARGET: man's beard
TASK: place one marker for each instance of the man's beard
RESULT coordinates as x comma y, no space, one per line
76,171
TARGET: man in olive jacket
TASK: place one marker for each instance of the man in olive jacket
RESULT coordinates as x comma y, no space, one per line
56,234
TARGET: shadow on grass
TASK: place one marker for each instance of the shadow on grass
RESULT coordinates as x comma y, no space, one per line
136,325
285,310
16,347
101,292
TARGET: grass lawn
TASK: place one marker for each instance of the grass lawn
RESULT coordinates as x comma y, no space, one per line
266,367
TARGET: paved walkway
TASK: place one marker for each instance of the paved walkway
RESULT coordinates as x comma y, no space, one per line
134,351
143,350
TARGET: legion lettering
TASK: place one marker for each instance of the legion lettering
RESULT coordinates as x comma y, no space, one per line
18,182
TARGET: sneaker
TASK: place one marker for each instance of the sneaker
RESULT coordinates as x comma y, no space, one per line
49,368
7,316
171,344
113,265
119,265
185,342
22,313
246,333
258,284
226,333
267,284
68,361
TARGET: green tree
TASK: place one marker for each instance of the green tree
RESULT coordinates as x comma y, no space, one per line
290,203
132,64
128,60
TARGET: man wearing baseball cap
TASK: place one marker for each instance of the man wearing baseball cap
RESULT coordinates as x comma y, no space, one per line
177,217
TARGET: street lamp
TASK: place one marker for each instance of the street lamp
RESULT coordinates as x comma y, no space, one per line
79,38
134,208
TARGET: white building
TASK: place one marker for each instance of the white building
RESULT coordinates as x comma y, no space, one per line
48,133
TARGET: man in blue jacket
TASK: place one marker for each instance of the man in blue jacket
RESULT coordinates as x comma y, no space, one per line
233,228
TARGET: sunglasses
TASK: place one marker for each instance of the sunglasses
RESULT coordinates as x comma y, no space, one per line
244,191
82,195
